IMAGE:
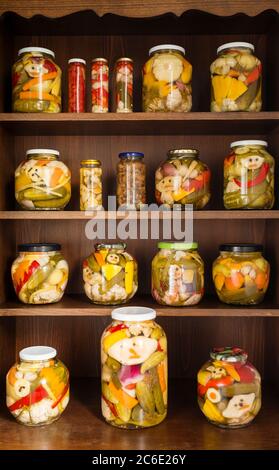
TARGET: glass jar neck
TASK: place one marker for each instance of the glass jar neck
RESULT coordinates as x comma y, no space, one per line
251,146
167,51
38,253
175,250
42,156
183,156
240,50
251,254
134,159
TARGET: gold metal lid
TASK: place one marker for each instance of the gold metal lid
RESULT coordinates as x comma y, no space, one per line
100,59
90,162
178,153
124,59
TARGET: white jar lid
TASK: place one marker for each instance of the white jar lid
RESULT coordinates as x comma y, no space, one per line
163,47
42,151
133,313
43,50
82,61
236,45
37,353
238,143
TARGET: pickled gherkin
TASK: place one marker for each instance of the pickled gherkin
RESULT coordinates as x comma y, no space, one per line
134,369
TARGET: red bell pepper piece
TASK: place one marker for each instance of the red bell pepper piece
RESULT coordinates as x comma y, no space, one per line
113,329
259,179
33,397
254,75
246,374
198,184
27,274
111,406
202,390
66,388
222,382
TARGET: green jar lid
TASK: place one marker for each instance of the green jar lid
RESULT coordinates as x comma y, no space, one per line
178,245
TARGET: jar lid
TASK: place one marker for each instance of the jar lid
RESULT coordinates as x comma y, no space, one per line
178,245
43,50
176,153
133,314
37,353
34,247
228,354
235,45
238,143
164,47
241,247
124,59
82,61
43,152
133,155
90,162
100,59
110,246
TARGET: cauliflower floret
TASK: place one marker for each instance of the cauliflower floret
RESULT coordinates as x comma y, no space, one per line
174,99
23,417
42,411
46,295
229,105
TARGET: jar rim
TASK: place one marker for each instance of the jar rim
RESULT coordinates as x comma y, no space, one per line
229,354
241,247
100,59
133,155
133,313
163,47
110,246
176,153
75,59
37,247
42,152
239,143
37,353
124,59
236,44
90,162
43,50
177,245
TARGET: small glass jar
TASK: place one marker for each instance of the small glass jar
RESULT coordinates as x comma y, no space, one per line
167,78
249,176
90,185
37,387
183,179
236,79
177,274
110,274
123,86
229,388
40,273
42,182
36,82
76,85
100,85
134,369
131,176
241,274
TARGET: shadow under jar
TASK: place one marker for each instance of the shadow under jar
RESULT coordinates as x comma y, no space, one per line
134,369
37,387
131,180
229,388
241,274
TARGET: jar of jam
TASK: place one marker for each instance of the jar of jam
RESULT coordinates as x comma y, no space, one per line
183,179
110,274
37,387
42,181
177,274
236,79
241,274
131,176
40,273
123,86
249,176
76,85
36,82
100,85
134,369
229,388
167,78
90,185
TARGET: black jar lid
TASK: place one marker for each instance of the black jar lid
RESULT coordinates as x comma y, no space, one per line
131,155
241,247
34,247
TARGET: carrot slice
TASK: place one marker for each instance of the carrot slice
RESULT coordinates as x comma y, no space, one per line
35,81
125,399
161,374
34,95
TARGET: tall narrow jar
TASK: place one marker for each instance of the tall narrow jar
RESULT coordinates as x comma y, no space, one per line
90,185
123,86
100,85
131,175
76,85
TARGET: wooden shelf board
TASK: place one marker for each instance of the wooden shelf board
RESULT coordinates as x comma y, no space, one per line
185,428
139,123
80,306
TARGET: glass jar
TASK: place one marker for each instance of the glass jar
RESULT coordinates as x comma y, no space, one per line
37,387
100,85
42,182
40,273
110,274
76,85
90,185
177,274
249,176
123,86
134,369
229,388
241,274
131,175
167,78
183,179
236,79
36,82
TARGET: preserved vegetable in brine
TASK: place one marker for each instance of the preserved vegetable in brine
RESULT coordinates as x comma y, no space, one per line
123,85
76,85
100,85
90,185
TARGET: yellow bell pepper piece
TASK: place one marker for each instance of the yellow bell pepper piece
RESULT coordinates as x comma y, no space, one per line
227,87
165,90
181,194
148,66
237,89
148,80
203,377
187,72
212,412
230,369
114,338
110,270
129,276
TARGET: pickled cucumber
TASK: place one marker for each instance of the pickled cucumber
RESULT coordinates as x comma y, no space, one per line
145,397
152,361
113,364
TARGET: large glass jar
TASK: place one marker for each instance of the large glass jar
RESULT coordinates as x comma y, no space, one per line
177,274
241,274
229,388
36,82
90,185
110,274
131,175
40,273
249,176
42,182
37,387
134,369
167,78
183,179
236,79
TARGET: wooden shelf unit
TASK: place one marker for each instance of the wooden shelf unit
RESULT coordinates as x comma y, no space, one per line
74,325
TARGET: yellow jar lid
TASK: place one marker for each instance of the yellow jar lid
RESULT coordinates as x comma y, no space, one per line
90,162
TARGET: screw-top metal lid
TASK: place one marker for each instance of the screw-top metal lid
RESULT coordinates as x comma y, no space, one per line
37,353
138,314
229,354
37,247
241,247
110,246
167,47
82,61
179,153
236,45
131,155
177,246
42,152
239,143
90,162
100,59
124,59
42,50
